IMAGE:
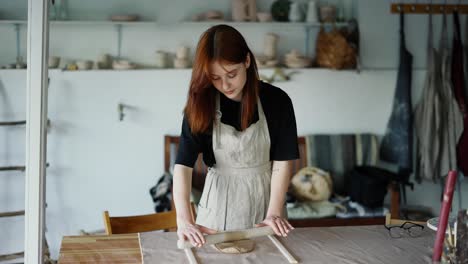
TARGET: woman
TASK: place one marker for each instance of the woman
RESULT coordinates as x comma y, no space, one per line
242,126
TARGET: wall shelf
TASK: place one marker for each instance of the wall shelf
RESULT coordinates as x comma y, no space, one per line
119,27
107,71
281,24
101,23
187,23
83,22
13,22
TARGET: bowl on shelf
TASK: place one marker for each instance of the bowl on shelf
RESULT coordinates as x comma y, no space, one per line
181,63
265,62
53,62
210,15
300,63
214,15
271,63
71,66
264,17
123,65
84,65
101,65
104,62
124,17
294,59
292,55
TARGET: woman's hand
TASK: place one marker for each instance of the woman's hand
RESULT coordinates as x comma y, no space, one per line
280,225
193,233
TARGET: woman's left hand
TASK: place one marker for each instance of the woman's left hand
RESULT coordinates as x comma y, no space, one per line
280,225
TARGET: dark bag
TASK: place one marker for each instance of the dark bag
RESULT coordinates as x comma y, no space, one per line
367,185
161,193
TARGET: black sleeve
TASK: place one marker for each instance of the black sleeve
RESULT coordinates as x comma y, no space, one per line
286,147
189,146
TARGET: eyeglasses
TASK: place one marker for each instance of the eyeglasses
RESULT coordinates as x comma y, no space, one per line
405,229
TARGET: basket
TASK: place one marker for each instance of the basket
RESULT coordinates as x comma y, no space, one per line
334,51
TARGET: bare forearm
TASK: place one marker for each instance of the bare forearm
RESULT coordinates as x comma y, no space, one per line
182,185
280,178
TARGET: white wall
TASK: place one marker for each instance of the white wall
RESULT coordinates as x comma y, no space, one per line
98,163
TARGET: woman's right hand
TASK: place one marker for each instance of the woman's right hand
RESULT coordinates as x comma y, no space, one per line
193,233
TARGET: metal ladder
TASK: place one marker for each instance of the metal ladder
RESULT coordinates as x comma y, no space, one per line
18,255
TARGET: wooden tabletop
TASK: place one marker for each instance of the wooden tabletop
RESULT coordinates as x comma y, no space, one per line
359,244
100,249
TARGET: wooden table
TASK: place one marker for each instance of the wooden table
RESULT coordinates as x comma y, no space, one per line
358,244
100,249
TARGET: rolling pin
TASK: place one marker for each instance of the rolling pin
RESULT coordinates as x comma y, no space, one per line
230,236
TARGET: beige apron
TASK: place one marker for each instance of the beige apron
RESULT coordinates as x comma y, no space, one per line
237,188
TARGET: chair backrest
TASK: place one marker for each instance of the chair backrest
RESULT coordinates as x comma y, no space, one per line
302,161
171,143
142,223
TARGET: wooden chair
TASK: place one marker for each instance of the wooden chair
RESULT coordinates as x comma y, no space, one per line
200,169
142,223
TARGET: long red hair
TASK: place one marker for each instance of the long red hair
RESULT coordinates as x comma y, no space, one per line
224,44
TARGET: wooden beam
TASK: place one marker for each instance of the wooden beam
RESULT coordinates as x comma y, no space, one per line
12,256
13,123
13,168
13,213
282,249
190,256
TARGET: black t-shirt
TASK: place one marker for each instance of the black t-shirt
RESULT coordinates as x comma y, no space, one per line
279,114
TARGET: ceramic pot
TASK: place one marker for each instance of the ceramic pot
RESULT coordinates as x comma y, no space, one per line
280,10
295,12
244,10
271,43
53,62
161,59
312,16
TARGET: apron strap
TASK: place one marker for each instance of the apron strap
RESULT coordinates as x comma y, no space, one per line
217,123
261,114
262,118
219,114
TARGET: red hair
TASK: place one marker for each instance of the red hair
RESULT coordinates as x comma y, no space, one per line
223,44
